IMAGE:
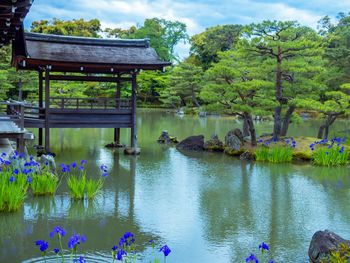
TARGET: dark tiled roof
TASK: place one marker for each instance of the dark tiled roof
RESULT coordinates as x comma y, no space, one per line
91,50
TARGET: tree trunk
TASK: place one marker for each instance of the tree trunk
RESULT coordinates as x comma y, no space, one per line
194,100
279,96
249,120
286,120
245,127
323,132
277,122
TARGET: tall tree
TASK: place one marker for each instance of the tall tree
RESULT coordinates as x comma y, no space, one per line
185,82
337,49
164,35
237,85
332,104
286,47
75,27
206,45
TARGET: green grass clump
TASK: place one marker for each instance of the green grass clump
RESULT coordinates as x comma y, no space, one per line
333,156
262,154
13,190
277,154
79,185
44,183
76,185
93,187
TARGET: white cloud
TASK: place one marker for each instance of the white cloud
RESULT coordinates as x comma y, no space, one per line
196,14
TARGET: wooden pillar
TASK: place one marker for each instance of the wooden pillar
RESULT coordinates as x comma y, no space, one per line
47,110
40,132
117,96
133,109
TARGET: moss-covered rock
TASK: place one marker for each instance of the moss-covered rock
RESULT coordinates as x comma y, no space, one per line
214,144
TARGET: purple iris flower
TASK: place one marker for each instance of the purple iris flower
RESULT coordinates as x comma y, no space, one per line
59,230
165,249
42,244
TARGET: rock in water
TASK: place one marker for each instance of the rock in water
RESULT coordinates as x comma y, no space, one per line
239,134
193,143
232,141
166,138
323,243
214,144
48,160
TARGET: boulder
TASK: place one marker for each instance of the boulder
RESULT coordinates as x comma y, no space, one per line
115,145
323,243
49,161
247,156
232,141
239,134
193,143
214,144
166,138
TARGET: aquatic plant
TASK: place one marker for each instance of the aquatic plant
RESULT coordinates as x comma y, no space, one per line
60,233
76,186
278,152
78,183
13,187
43,184
329,153
253,258
124,251
93,187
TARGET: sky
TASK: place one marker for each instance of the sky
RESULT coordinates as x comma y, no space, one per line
197,15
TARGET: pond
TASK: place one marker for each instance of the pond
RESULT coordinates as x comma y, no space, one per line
207,207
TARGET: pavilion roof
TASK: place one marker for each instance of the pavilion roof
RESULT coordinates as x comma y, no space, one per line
12,14
82,54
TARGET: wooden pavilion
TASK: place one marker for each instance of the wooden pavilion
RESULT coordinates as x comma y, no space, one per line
66,58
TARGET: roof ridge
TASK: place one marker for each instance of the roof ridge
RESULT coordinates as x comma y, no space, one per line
145,43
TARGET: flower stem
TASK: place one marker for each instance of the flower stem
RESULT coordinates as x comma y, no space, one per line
60,241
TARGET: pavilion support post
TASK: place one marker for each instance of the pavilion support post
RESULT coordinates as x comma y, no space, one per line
40,132
47,110
134,148
117,96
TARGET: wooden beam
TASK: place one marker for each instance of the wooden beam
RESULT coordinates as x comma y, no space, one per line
133,114
47,110
89,78
40,132
117,95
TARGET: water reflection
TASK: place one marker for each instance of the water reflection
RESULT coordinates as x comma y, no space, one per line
207,207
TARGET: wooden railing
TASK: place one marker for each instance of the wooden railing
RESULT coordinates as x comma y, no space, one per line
18,111
90,103
12,111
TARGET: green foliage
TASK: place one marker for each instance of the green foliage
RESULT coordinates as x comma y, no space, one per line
75,27
205,46
185,84
275,154
236,84
12,191
342,255
164,35
76,185
333,156
93,187
15,84
44,183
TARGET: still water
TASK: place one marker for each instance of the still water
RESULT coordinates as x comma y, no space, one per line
207,207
